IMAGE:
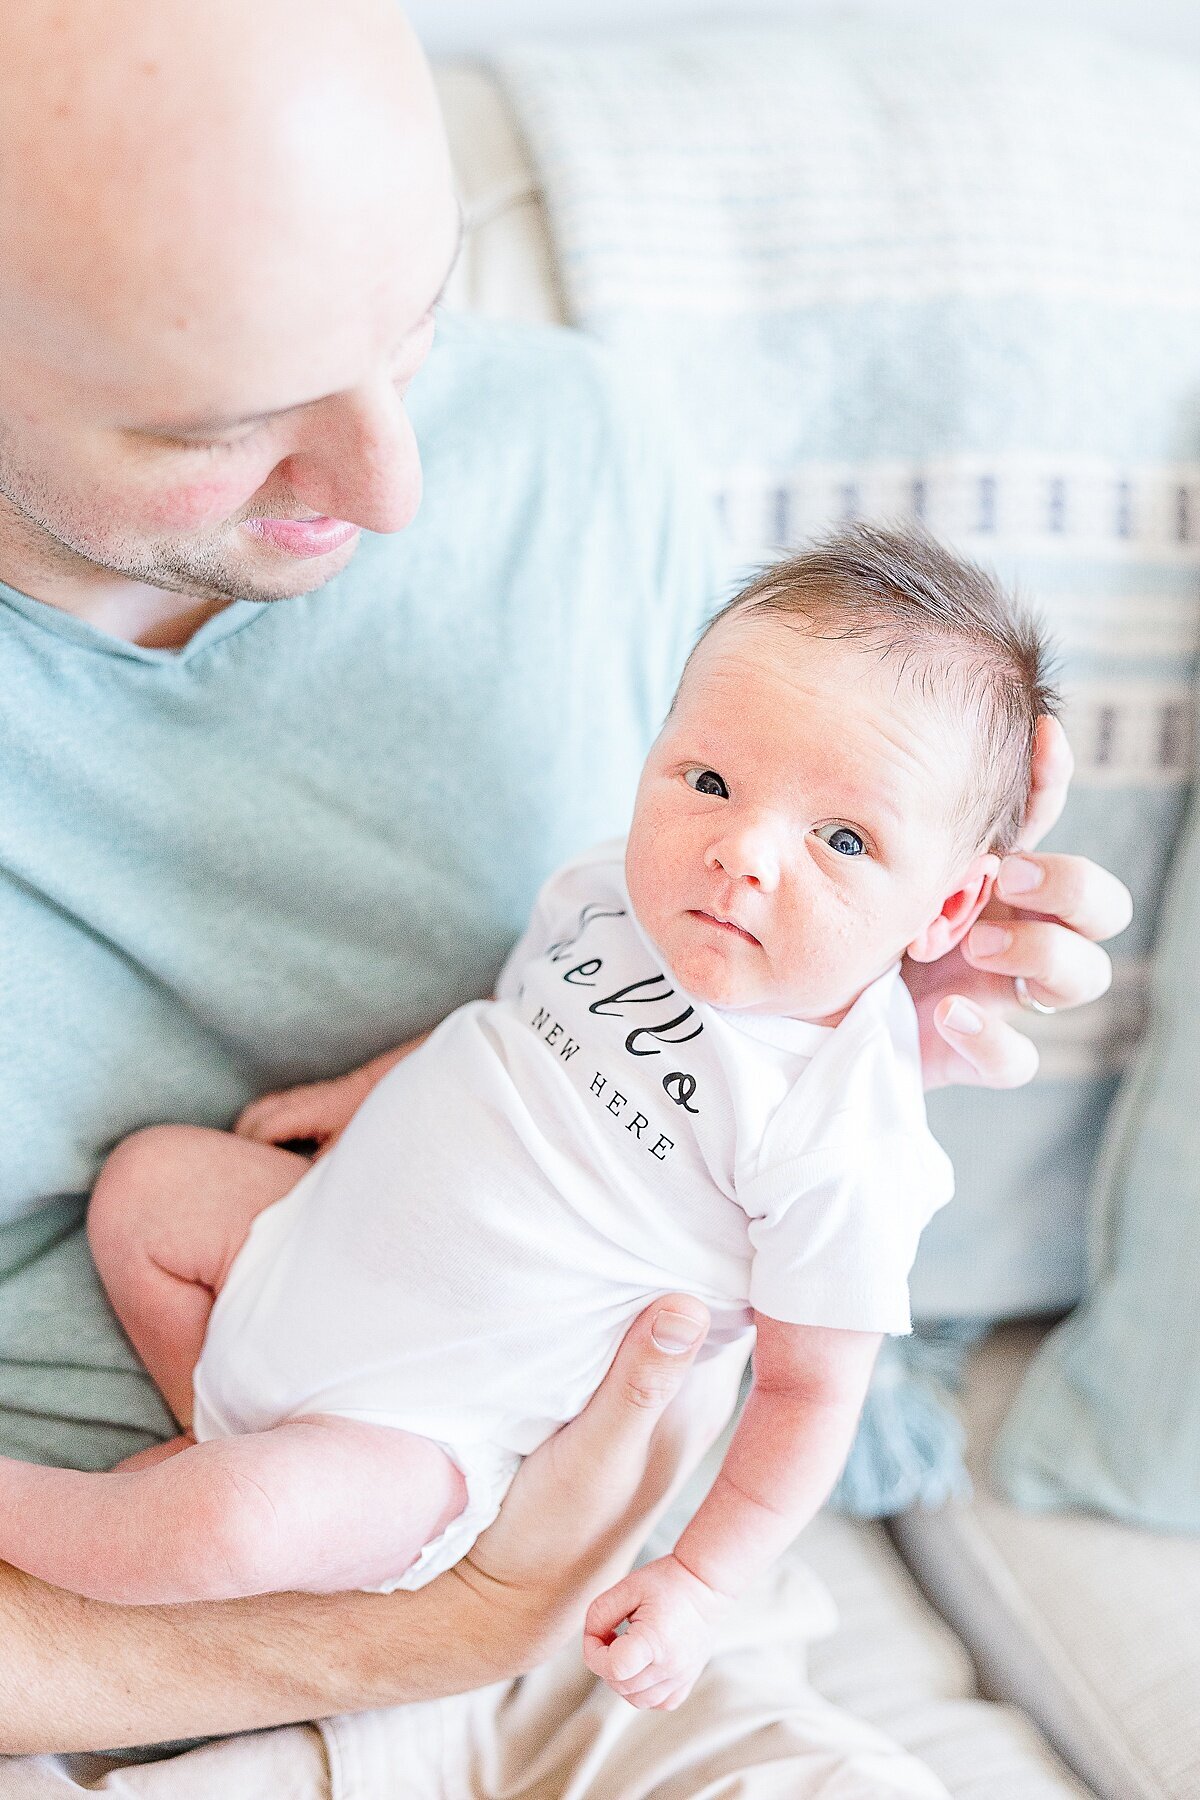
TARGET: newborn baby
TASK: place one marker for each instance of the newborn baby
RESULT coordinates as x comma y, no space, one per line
700,1072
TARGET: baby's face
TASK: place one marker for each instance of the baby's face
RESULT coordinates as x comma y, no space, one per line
793,831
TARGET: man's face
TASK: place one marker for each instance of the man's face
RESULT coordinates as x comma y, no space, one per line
222,414
794,827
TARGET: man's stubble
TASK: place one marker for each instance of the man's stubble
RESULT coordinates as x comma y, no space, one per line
39,522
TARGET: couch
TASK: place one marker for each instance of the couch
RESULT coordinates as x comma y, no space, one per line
1021,1656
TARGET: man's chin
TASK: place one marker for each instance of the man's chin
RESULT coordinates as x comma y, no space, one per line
267,574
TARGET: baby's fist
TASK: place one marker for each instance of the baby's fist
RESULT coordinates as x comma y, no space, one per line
657,1659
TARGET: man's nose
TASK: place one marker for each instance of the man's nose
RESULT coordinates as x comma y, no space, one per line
360,460
747,851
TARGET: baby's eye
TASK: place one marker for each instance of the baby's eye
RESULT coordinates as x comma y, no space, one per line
842,839
706,781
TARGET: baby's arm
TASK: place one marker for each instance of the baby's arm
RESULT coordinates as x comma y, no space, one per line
786,1453
316,1505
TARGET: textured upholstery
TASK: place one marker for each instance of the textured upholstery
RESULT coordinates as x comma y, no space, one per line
1091,1625
893,1662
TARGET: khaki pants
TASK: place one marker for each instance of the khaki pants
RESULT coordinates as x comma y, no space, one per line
752,1729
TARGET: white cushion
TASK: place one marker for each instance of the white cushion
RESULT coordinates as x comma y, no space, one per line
877,1649
895,1663
506,269
1093,1627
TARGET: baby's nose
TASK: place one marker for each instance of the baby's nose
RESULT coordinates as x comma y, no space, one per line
747,855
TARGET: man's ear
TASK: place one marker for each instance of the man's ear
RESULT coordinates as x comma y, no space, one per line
960,910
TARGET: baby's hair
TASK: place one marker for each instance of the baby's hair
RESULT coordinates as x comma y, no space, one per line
957,634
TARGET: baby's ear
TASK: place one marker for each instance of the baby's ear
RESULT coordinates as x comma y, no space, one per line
960,909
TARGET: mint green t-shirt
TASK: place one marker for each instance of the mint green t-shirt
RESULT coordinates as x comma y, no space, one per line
318,827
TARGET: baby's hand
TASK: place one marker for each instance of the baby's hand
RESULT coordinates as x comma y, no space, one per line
320,1110
671,1616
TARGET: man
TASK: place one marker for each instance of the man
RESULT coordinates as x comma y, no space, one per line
247,844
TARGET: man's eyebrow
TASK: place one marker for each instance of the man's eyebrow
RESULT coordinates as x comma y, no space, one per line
197,427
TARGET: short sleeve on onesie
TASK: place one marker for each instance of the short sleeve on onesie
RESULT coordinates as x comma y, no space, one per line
848,1176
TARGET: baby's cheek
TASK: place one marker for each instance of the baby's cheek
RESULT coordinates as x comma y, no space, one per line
823,917
644,864
823,936
877,938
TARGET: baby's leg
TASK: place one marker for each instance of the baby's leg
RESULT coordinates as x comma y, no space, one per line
318,1504
169,1213
156,1453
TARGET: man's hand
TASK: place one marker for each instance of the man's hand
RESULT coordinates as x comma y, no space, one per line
1046,922
77,1673
581,1504
671,1616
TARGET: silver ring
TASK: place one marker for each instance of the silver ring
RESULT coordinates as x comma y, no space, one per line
1026,998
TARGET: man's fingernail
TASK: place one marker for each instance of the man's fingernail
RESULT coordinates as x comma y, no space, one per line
675,1332
990,940
1018,875
960,1016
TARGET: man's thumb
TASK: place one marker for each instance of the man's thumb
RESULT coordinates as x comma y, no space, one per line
657,1352
679,1325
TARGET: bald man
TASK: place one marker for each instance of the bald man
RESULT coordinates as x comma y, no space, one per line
282,761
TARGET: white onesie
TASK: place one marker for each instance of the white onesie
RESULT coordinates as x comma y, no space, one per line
465,1261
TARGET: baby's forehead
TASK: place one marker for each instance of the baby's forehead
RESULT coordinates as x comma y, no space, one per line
816,656
790,690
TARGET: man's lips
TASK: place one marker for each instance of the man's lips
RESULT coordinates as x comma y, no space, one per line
304,537
725,925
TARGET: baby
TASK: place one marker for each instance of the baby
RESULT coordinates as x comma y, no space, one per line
700,1073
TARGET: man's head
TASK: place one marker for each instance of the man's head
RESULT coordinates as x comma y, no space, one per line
847,755
222,230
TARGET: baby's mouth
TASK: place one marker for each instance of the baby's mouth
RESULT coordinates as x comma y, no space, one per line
725,925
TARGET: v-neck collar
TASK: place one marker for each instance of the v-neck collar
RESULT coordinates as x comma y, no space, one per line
52,619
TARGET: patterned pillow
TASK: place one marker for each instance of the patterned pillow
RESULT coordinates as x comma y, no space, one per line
955,279
1108,1416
